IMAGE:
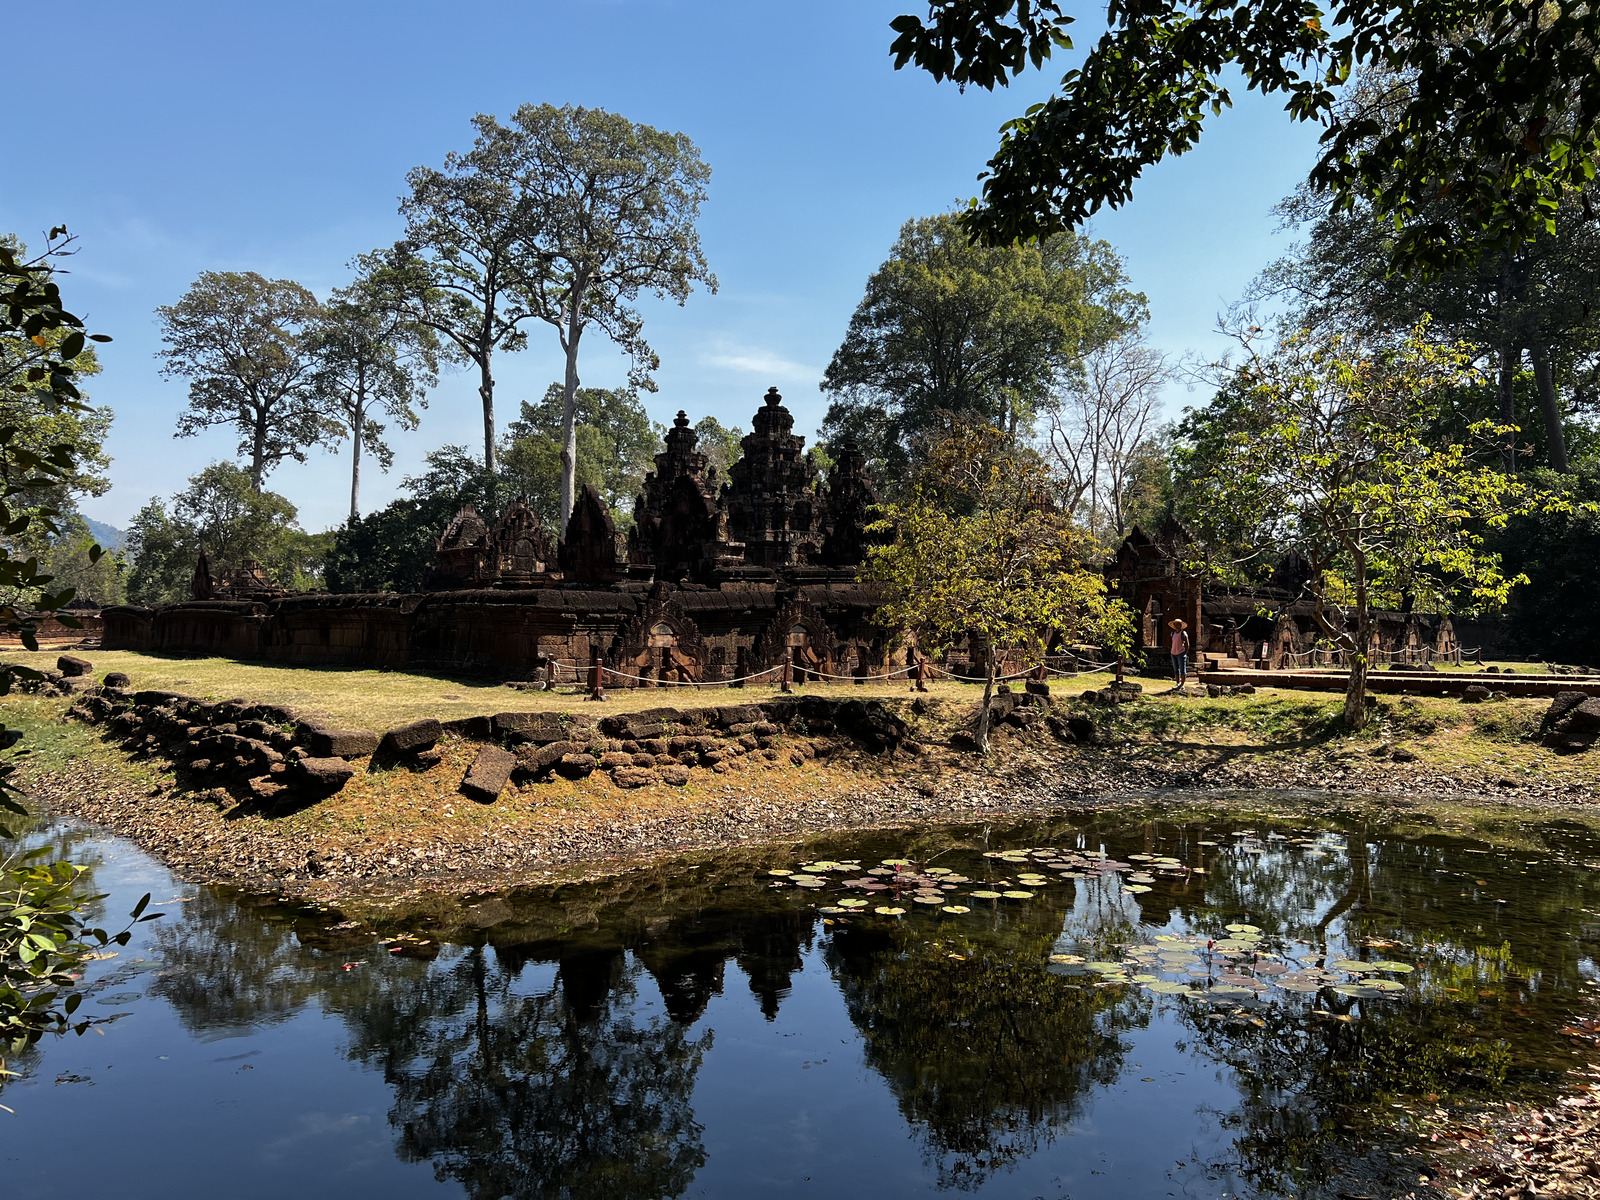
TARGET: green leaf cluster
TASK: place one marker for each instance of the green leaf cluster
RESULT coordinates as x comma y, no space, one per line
1505,115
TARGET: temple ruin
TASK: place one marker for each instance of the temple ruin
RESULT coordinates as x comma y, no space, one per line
712,583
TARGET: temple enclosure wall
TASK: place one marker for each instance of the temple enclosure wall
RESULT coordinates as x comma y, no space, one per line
645,635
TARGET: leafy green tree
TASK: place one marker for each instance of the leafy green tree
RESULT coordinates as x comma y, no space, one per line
243,342
462,270
44,934
1557,615
720,444
949,331
393,549
371,359
616,442
72,562
1321,449
222,513
983,549
1526,303
612,207
1504,114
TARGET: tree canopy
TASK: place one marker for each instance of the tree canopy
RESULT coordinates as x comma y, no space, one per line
371,359
222,513
982,549
611,212
1324,449
949,331
1505,115
243,342
616,441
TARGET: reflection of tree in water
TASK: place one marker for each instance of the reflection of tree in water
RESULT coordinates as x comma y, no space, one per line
232,966
1476,1021
512,1090
562,1092
990,1056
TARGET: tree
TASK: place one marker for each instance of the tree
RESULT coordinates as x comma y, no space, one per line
1557,615
1504,116
222,513
72,562
1099,428
981,548
1529,298
242,341
948,331
371,358
722,446
461,269
393,549
616,442
45,936
612,209
1321,449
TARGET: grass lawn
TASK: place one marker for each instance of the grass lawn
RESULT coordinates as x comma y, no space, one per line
380,700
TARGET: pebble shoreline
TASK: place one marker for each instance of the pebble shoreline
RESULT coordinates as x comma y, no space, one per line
203,845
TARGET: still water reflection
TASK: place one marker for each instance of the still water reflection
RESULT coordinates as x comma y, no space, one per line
702,1030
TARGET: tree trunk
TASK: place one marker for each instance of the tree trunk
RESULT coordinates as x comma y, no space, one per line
1508,407
569,414
1355,692
980,734
355,459
486,391
1555,438
258,452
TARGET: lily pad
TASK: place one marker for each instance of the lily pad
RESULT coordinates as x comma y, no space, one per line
1388,986
1017,894
1398,968
888,911
1243,928
833,910
1134,888
986,895
1358,991
780,872
928,899
1353,967
852,904
958,909
1169,988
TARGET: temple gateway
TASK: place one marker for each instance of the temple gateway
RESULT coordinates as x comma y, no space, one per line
712,583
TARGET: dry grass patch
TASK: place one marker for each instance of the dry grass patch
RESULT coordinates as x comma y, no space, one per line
380,700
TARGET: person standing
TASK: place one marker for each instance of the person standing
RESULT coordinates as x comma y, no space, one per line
1180,652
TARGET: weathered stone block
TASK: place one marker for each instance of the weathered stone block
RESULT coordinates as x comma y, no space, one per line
1474,693
324,775
616,758
477,729
677,776
538,727
634,777
576,766
644,760
116,679
738,714
1038,687
72,666
339,743
489,773
1586,716
409,739
1563,703
534,759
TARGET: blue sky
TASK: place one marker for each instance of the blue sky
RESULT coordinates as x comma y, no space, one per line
276,138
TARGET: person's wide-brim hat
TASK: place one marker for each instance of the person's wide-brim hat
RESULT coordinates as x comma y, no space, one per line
1177,624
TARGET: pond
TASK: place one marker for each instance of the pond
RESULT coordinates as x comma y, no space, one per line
1096,1006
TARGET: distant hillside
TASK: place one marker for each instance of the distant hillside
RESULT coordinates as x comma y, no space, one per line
109,536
